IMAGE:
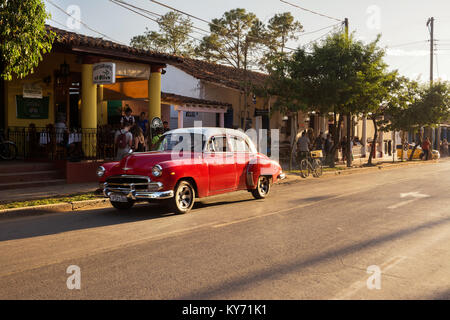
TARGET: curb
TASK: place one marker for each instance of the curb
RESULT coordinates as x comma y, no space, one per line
55,208
291,178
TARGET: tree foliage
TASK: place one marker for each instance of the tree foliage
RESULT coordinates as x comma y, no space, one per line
280,29
24,38
234,39
173,36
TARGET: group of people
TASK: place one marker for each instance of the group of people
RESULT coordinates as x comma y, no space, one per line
307,142
134,135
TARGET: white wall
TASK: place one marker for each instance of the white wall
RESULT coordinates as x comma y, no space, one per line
179,82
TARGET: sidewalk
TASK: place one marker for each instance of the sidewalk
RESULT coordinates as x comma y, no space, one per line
356,163
13,195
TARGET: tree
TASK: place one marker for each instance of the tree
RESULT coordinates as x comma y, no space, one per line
280,29
340,76
234,40
173,36
417,106
24,38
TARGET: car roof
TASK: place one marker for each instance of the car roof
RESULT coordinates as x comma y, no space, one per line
212,131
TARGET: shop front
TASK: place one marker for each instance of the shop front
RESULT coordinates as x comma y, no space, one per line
60,111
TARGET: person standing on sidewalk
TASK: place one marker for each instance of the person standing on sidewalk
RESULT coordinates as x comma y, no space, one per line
123,141
444,148
426,148
303,147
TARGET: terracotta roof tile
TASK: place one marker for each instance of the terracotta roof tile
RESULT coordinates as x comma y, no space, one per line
170,97
221,74
69,39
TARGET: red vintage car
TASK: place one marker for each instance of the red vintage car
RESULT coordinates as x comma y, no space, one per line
190,163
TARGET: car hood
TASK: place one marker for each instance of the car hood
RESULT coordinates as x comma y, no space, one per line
140,163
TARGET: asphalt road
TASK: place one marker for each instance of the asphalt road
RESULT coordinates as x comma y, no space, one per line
313,239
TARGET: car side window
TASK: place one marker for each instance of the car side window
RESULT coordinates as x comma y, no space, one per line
239,144
218,144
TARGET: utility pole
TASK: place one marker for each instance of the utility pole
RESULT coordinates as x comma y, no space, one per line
430,25
349,116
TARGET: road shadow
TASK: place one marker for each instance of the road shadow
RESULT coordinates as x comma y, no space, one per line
54,223
240,283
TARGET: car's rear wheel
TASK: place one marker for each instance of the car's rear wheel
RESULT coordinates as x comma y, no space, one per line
262,189
184,197
123,205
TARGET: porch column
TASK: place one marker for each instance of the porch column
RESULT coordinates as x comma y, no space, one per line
88,110
102,107
364,137
222,120
154,93
180,119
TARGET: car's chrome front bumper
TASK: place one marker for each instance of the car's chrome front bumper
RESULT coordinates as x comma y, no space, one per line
134,194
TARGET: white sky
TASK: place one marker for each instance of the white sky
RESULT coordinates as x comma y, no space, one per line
399,22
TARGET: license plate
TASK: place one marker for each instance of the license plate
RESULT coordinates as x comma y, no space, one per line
118,198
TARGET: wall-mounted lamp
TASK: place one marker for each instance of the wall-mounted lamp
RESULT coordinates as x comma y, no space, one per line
64,70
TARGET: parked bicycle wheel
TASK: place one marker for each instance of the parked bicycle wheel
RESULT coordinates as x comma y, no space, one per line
304,170
317,165
8,150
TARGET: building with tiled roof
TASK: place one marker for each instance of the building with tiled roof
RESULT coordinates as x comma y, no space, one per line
222,74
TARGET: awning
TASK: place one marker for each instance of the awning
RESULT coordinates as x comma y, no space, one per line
138,90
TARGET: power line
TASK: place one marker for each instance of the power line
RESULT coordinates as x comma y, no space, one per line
407,44
157,15
58,23
206,21
124,5
310,11
82,23
325,34
318,30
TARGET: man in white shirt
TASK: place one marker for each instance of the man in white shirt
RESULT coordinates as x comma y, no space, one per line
127,118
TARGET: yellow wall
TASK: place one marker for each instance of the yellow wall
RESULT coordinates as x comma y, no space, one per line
47,67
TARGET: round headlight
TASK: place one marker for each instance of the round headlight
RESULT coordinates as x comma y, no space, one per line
101,171
157,171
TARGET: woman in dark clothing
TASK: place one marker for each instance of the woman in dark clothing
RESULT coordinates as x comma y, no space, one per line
138,139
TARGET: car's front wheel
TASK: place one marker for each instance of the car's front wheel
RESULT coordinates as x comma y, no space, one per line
262,189
184,197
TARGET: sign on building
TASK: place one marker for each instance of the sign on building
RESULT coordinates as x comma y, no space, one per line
29,108
104,73
32,91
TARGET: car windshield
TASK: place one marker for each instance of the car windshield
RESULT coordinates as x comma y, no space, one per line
183,141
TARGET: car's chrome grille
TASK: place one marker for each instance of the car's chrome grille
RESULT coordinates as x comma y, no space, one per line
130,182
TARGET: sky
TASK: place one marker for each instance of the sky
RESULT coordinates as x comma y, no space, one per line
401,23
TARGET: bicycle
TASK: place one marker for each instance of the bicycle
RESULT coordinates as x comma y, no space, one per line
311,164
8,149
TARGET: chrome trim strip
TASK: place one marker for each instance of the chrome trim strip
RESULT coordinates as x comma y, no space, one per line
129,176
134,195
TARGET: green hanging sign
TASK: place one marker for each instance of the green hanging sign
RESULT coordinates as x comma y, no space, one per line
28,108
